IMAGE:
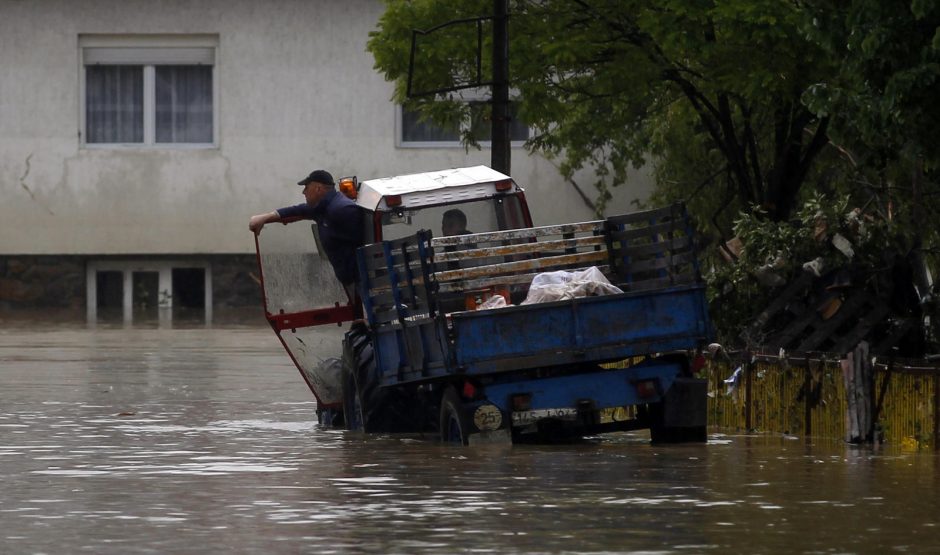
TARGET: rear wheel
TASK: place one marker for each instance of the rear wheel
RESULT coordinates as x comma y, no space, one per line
358,366
453,423
352,405
367,406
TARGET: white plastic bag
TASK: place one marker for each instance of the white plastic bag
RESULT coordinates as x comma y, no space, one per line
496,301
562,285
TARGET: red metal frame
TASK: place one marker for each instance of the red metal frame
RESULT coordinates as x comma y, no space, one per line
525,209
306,318
316,317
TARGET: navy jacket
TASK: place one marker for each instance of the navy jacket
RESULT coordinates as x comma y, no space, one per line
340,223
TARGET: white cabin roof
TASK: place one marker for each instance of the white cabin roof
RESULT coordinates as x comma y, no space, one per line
428,188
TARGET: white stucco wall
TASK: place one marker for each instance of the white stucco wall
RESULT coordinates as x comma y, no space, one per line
296,91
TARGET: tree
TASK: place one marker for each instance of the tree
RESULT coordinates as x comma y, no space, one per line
882,99
882,102
610,83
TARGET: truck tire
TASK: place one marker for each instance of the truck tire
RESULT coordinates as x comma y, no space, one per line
352,405
453,423
367,406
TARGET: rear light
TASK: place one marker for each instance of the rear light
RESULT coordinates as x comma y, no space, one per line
504,185
521,402
469,390
646,388
393,200
349,186
697,364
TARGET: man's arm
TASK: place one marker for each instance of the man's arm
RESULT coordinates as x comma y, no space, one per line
284,215
257,221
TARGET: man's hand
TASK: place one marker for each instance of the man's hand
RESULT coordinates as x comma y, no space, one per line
257,222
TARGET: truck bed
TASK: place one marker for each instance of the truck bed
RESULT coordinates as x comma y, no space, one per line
596,329
415,292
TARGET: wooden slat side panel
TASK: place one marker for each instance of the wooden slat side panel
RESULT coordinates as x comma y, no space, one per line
645,233
514,257
669,264
538,248
516,234
671,211
652,249
675,245
659,283
581,259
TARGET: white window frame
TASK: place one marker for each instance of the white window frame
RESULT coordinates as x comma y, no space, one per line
400,141
184,48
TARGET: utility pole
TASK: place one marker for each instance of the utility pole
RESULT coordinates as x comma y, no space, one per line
499,142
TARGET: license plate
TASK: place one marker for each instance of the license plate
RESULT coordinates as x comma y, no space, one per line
526,417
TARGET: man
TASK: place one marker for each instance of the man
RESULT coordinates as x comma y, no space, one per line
454,222
338,219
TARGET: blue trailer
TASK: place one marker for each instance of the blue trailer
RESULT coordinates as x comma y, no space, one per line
454,343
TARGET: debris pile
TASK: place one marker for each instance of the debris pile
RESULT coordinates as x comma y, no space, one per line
823,282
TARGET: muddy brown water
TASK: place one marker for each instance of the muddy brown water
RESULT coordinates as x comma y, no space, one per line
141,439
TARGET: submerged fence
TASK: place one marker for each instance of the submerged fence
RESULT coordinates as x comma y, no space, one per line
814,395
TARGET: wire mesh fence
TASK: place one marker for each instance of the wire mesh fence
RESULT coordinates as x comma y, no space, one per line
810,395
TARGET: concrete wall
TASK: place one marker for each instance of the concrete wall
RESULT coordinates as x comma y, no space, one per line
296,91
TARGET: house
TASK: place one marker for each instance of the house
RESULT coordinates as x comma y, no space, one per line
138,136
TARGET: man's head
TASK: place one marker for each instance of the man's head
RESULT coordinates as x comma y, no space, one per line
316,186
454,222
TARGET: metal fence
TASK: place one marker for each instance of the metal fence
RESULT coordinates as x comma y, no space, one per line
808,396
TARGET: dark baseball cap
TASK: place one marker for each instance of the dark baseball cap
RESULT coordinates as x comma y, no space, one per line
318,176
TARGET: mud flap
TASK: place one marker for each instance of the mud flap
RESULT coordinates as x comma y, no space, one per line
682,416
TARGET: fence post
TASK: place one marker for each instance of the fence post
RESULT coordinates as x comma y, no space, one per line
848,381
747,392
807,403
857,375
880,401
866,389
936,410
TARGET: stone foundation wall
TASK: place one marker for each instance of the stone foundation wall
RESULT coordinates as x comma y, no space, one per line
32,282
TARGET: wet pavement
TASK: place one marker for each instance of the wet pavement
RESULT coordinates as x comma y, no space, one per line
137,439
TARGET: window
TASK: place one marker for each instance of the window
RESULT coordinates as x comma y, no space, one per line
413,130
140,290
417,133
153,92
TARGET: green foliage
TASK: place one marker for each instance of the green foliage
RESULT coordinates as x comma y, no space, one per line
883,105
602,80
882,97
775,253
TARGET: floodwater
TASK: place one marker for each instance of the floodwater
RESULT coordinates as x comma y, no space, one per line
204,440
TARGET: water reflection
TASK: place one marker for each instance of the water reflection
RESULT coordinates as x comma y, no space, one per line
149,440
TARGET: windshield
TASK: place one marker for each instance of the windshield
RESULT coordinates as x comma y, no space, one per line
479,216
